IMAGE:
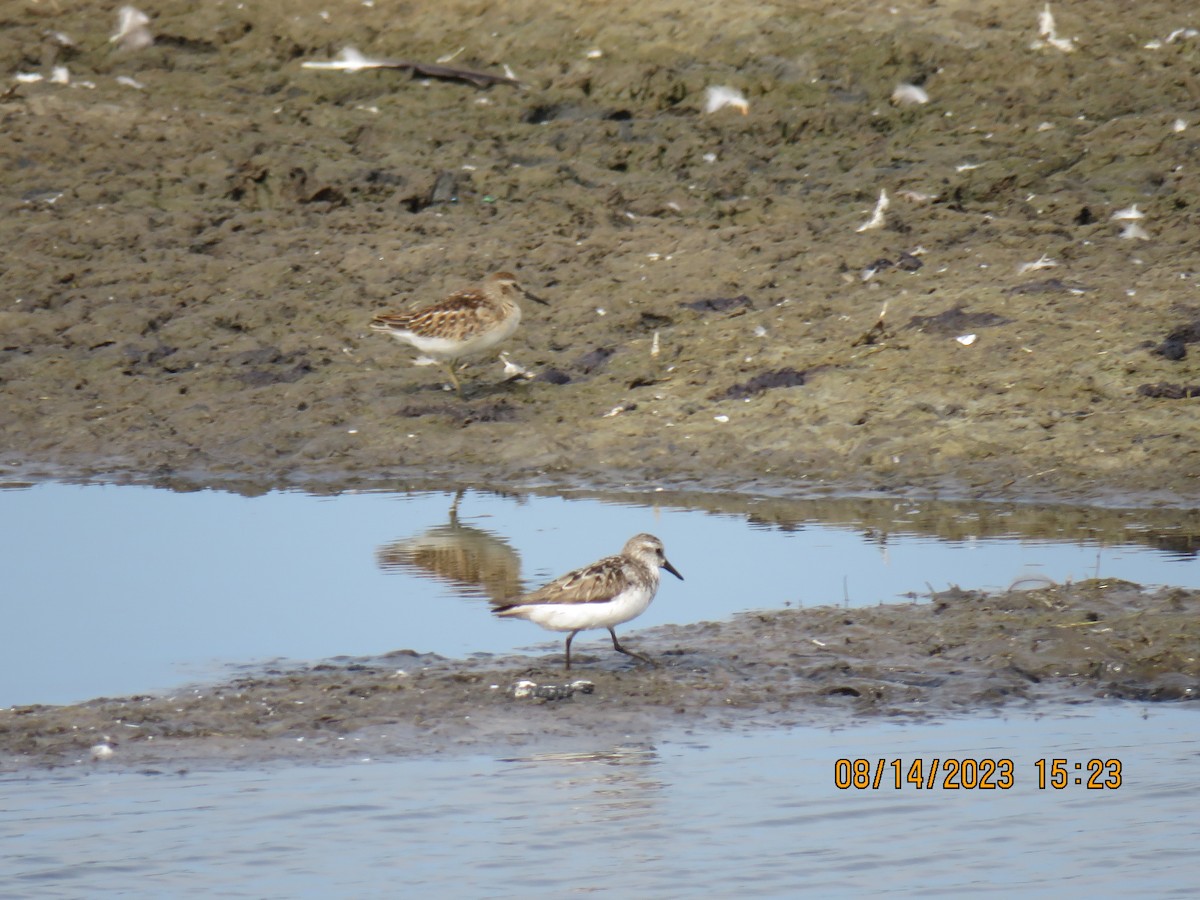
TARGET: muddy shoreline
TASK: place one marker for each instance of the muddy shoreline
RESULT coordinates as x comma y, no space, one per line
961,652
193,262
193,253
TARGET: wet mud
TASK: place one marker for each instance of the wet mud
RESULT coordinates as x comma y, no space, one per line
193,256
962,651
198,231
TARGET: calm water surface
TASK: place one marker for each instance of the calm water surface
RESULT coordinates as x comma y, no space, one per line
723,814
117,590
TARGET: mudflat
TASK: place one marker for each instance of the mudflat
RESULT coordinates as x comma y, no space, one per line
193,257
198,231
961,652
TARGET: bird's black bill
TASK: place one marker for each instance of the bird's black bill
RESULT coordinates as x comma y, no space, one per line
534,297
670,568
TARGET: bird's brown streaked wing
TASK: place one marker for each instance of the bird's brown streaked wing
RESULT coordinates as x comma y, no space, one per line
460,301
466,300
389,321
454,317
596,583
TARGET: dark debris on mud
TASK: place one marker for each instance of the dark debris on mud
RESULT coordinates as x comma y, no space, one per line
462,413
1165,390
720,304
1048,286
1174,345
956,320
762,382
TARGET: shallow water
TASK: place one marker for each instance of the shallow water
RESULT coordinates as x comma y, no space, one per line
114,590
752,814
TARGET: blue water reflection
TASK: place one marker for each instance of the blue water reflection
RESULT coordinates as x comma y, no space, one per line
116,590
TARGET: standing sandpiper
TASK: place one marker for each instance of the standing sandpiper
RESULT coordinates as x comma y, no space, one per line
467,322
606,593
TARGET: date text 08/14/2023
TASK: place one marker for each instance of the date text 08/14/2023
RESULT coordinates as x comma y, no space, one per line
973,774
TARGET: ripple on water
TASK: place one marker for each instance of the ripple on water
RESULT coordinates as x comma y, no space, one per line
752,813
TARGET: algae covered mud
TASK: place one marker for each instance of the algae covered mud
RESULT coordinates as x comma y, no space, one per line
198,232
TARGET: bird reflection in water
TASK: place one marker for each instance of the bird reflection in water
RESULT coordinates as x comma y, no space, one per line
472,561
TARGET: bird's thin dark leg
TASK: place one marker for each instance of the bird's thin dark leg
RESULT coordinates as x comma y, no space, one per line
570,637
617,646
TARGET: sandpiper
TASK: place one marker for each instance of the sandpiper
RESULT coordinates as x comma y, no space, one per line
467,322
606,593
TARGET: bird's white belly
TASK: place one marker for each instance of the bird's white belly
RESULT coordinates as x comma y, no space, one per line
629,604
448,348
